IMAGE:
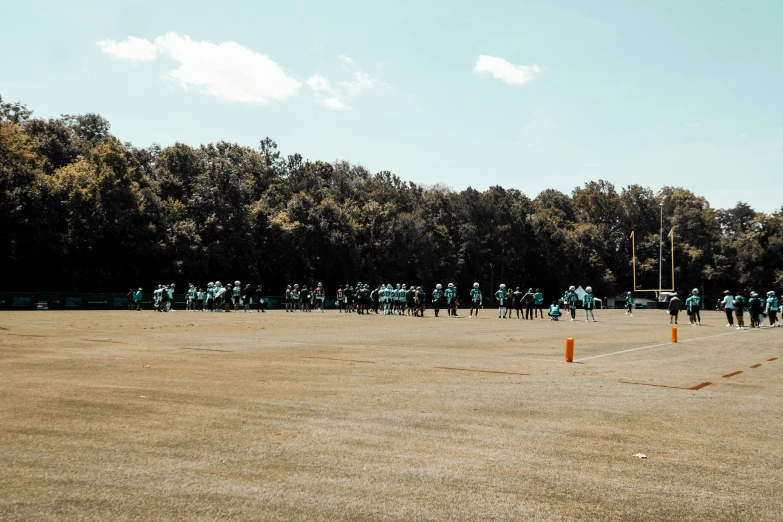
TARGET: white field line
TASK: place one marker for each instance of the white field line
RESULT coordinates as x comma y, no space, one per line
650,346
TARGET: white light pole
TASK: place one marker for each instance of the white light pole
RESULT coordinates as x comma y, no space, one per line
660,258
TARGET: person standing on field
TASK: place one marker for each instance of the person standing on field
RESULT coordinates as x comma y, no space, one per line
247,296
501,296
529,299
728,307
450,294
589,304
570,299
437,298
696,307
539,302
674,308
772,309
476,298
629,304
137,299
754,308
739,311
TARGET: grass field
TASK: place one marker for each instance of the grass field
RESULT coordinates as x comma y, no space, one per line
196,416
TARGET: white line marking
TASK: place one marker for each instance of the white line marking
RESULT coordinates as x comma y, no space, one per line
650,346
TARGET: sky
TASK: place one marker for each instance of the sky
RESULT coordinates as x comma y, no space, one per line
525,94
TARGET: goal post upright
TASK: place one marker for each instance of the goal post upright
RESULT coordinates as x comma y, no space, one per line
633,257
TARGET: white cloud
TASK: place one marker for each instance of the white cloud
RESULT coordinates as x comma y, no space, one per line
334,103
135,49
506,71
361,81
318,83
335,97
228,71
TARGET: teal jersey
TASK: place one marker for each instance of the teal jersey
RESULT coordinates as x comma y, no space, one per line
695,301
628,299
170,292
191,292
501,295
237,291
554,309
437,294
571,298
137,295
450,294
688,303
539,298
588,300
476,296
772,304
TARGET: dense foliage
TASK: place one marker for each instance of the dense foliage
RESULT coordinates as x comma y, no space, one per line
82,211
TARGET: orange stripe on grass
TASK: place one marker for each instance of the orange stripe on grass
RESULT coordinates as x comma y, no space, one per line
732,374
755,365
335,359
480,371
773,359
693,388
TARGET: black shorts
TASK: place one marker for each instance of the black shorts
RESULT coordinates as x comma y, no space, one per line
674,313
475,304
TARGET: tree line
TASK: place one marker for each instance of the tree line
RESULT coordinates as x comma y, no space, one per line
82,211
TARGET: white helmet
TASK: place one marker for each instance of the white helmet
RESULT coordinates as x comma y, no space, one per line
320,284
695,291
171,285
139,289
571,288
770,293
589,289
236,283
502,285
475,285
451,285
217,283
438,286
629,293
754,294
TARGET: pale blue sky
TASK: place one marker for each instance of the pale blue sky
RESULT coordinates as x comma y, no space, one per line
683,93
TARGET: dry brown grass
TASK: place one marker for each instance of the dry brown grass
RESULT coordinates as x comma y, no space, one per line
328,417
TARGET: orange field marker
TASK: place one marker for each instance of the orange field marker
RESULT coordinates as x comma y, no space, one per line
569,353
732,374
674,334
755,366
